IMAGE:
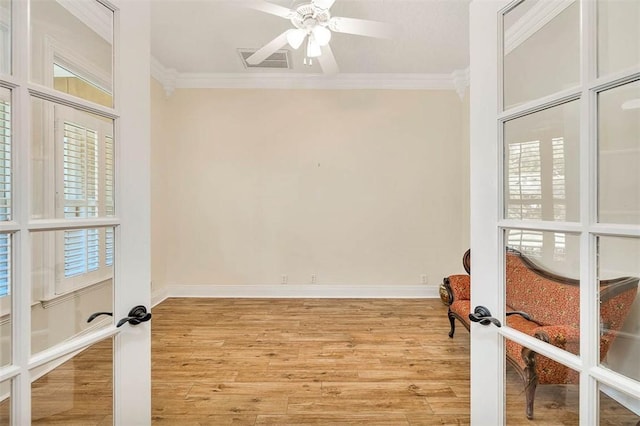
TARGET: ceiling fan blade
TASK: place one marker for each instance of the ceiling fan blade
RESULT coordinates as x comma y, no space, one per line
323,4
271,8
361,27
328,61
268,49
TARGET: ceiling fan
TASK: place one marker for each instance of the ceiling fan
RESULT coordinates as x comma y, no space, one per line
313,22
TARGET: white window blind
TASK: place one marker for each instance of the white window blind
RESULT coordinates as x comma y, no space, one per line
109,197
525,196
525,181
80,171
5,196
84,180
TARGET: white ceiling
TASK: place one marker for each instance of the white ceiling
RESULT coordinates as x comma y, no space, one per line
202,37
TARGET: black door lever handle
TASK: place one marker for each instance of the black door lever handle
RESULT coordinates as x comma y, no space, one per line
136,315
97,314
483,316
522,314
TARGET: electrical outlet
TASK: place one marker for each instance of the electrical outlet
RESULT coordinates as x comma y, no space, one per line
423,278
313,278
285,279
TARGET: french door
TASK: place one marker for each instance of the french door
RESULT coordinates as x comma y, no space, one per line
74,212
555,178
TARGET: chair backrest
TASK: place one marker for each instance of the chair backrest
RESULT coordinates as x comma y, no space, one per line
466,261
548,298
551,299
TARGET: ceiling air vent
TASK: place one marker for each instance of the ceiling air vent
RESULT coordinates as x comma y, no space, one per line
279,60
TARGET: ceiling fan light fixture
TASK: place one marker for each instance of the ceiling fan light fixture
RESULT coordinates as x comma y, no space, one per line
313,48
322,35
295,37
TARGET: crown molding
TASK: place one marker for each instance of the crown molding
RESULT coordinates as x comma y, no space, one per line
461,80
172,79
166,76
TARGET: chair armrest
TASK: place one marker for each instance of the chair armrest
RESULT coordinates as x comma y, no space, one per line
460,286
562,336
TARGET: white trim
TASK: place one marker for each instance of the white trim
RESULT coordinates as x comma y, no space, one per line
66,224
461,81
159,296
73,294
171,79
157,69
328,291
9,373
316,81
99,324
166,76
72,346
531,22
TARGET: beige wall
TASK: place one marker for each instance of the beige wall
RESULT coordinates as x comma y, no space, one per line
160,199
357,187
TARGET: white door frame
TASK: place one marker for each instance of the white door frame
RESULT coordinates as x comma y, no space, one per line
487,349
487,223
132,354
132,345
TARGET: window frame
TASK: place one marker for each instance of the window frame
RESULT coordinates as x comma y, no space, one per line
63,284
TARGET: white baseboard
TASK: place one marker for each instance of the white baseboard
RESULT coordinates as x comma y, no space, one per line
328,291
158,296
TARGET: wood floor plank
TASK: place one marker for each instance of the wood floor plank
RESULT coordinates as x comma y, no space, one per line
334,420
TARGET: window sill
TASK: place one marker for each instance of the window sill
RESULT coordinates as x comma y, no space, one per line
61,298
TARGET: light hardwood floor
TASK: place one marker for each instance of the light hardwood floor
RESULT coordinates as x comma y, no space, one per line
299,361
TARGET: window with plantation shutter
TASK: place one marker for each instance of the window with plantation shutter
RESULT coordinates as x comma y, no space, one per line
5,196
86,187
109,197
80,171
527,182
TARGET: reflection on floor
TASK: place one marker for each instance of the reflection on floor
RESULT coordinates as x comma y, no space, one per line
78,392
247,361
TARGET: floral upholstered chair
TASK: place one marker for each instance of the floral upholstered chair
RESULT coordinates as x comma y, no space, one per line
548,307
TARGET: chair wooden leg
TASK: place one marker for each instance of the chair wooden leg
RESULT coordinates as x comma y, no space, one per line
452,320
530,379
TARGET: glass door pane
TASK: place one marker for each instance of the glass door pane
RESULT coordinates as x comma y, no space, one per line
540,387
72,279
77,389
72,168
72,48
619,154
619,273
618,35
617,408
540,174
5,402
541,45
5,36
